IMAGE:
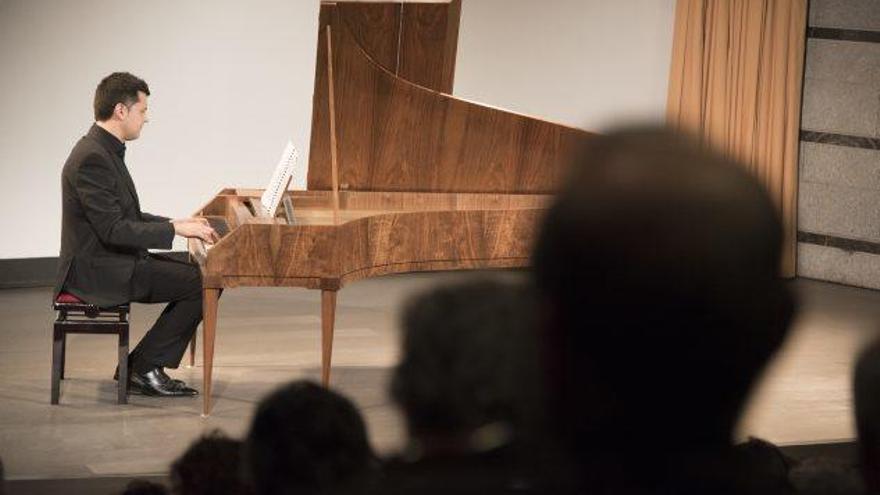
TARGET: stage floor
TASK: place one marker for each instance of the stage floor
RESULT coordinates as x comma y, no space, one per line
269,336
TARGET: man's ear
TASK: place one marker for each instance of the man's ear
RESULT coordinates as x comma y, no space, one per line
120,110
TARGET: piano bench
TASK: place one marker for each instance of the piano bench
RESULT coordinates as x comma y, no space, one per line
76,316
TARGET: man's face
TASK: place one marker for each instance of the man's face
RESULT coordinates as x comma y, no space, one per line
134,117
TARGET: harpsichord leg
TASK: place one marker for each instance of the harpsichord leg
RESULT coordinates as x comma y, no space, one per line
328,317
192,350
209,328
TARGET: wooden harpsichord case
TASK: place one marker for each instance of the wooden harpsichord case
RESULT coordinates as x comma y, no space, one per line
402,177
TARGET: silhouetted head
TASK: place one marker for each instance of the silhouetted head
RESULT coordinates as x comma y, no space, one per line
144,487
658,275
827,476
867,409
464,361
305,439
211,465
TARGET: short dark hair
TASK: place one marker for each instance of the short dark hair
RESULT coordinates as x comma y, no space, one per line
305,439
464,357
211,465
119,87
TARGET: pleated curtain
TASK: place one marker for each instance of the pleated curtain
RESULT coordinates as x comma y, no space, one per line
735,81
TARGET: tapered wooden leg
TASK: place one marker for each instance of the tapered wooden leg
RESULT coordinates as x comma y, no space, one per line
63,354
57,353
192,349
209,328
122,383
328,317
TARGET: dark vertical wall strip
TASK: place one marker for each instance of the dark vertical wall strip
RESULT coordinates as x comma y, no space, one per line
850,245
40,272
863,142
28,272
843,34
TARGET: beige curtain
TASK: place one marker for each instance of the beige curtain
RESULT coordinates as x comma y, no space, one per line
735,80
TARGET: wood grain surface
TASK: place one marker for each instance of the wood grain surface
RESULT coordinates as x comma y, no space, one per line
428,44
425,181
377,232
375,27
397,136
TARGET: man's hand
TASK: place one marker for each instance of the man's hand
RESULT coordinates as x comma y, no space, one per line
195,227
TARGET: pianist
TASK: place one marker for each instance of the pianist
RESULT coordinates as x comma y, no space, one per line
105,237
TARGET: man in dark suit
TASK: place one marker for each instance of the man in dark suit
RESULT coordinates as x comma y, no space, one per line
105,237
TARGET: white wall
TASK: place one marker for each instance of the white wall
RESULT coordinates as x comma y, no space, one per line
231,81
585,63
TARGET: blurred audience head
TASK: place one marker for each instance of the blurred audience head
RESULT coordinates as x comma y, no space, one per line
306,439
464,373
767,466
866,390
657,269
144,487
766,455
822,476
211,465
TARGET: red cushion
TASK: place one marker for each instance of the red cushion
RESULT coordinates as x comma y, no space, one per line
66,297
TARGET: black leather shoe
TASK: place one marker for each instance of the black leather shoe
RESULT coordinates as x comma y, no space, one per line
152,383
175,381
161,370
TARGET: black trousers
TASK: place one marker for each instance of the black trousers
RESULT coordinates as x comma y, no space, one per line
159,279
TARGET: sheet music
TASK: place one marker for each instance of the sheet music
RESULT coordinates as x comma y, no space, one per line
280,180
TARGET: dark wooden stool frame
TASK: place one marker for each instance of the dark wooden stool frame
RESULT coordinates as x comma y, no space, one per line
87,318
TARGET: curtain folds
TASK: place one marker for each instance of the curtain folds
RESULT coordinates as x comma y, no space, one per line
735,81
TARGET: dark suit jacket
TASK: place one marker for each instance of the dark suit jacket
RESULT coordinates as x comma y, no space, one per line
103,230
